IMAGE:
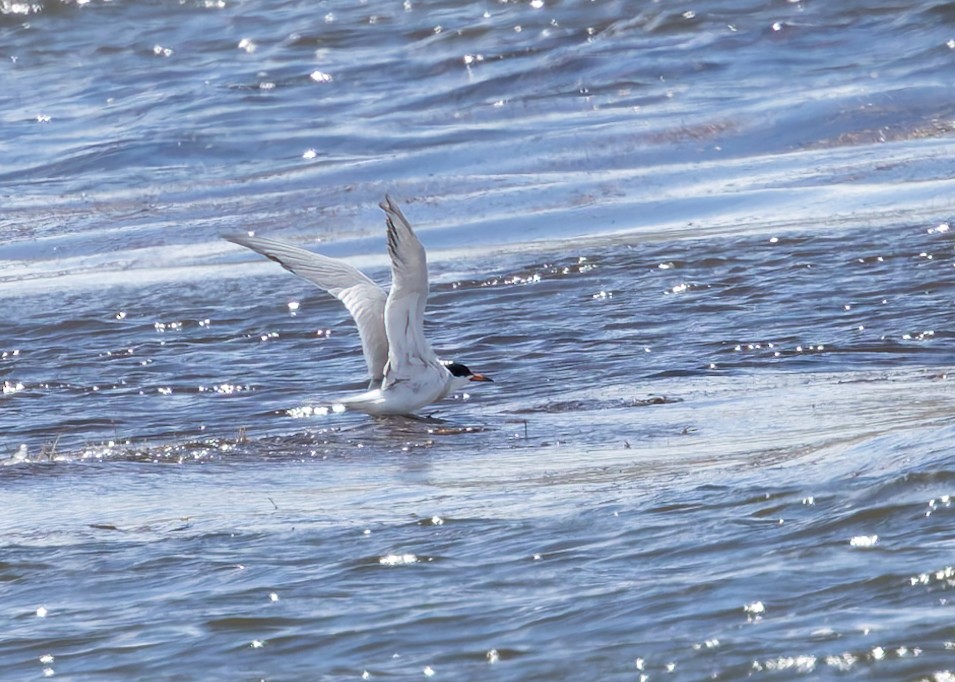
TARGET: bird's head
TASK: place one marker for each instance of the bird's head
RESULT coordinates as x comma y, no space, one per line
461,375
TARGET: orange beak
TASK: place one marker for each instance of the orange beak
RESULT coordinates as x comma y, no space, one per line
480,377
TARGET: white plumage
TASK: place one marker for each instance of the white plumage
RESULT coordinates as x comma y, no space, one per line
405,373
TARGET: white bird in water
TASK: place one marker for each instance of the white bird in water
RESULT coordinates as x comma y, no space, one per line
405,372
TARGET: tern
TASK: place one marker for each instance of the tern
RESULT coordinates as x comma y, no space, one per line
405,373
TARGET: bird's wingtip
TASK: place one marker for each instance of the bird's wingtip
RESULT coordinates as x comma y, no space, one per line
240,238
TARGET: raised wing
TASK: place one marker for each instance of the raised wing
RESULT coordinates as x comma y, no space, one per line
364,299
404,310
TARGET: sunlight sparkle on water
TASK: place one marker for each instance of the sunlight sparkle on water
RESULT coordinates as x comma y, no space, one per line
933,504
945,576
22,8
307,411
864,541
10,387
398,559
802,664
708,644
754,611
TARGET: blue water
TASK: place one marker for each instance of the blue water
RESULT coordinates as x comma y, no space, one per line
703,250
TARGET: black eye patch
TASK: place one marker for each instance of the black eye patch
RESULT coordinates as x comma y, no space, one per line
459,370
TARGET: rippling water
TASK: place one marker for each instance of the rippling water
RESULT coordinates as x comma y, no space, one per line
703,249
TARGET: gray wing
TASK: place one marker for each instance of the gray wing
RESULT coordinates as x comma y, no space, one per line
364,299
404,311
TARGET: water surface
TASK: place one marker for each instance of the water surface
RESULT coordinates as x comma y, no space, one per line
702,249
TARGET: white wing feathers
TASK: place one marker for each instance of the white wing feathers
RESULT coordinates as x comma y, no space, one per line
408,349
364,299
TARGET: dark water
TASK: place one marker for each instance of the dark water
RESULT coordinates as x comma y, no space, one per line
703,250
